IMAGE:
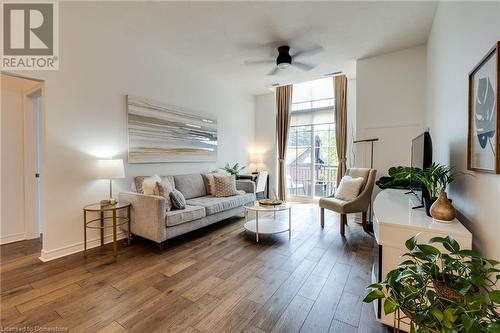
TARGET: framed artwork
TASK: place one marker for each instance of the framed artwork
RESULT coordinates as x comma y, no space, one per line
483,153
159,133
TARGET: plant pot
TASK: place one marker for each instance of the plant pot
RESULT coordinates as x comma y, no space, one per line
442,210
446,291
428,202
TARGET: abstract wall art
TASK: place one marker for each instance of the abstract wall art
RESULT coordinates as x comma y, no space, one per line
484,125
159,133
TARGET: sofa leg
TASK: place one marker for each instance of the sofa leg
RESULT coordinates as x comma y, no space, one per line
343,222
161,246
322,217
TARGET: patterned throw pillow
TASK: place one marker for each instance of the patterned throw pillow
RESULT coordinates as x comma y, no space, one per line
178,200
225,186
208,179
163,189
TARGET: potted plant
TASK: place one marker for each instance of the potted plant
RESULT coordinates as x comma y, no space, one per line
436,179
400,177
233,170
441,292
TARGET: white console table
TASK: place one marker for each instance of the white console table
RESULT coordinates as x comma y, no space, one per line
394,222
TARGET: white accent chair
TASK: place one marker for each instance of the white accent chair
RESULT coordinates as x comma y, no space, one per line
261,182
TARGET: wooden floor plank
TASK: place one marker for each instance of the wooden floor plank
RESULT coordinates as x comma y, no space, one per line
216,279
321,315
291,320
271,311
349,309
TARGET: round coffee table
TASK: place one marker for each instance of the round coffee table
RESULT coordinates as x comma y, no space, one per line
268,225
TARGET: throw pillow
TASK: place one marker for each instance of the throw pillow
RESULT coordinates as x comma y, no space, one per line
348,188
148,185
225,186
208,179
178,200
138,184
163,189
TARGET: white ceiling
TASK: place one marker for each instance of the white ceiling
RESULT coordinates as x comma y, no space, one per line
215,38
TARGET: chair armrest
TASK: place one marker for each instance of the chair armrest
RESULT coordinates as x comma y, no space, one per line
147,215
245,185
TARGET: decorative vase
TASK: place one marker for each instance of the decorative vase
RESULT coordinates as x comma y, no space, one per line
442,210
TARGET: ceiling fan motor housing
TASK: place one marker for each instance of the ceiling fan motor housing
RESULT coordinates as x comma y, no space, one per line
284,59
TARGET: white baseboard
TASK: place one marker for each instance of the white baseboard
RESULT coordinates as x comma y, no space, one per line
12,238
77,247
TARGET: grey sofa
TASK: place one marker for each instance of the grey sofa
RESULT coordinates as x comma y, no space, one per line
150,219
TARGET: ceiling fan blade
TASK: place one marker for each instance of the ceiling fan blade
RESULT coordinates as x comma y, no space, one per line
259,62
310,52
273,71
303,66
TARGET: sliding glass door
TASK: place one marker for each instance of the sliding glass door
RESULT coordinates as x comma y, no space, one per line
311,160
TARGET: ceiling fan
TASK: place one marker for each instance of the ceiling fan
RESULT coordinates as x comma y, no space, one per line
285,60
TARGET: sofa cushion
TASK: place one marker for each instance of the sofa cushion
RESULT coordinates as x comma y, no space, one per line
179,216
191,186
214,205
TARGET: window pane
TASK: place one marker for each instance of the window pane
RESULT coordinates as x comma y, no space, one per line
322,88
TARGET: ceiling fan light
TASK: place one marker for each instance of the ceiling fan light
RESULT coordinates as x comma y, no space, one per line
283,65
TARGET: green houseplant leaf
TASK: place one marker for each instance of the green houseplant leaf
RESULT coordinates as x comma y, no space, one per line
390,306
495,296
373,295
445,292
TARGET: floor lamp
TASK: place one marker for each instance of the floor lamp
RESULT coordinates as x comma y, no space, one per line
369,227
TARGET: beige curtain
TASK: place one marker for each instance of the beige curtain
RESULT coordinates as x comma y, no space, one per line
340,114
283,107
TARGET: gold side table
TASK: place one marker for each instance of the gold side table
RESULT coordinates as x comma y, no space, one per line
114,218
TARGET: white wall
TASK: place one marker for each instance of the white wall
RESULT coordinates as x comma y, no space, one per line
12,209
86,115
265,136
461,35
390,105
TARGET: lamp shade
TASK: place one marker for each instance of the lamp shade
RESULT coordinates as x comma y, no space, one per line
111,169
256,158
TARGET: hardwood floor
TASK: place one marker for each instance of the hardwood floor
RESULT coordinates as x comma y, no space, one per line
213,280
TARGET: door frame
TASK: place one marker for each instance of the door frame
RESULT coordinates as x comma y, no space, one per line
32,212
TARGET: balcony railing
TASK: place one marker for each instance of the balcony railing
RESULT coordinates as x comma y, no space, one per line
300,180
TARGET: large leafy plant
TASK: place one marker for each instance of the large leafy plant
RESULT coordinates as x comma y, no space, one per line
436,178
442,292
233,170
399,178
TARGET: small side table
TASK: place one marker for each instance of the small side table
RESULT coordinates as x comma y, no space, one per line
267,225
116,221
